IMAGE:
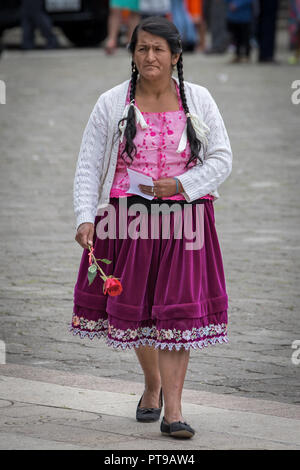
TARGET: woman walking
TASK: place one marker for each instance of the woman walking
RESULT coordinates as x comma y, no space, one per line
174,297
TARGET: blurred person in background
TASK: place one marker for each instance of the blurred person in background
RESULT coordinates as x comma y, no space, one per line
266,30
215,17
294,30
155,8
195,9
115,19
239,22
184,24
33,16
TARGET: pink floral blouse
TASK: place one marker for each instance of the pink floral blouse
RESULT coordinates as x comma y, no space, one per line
156,151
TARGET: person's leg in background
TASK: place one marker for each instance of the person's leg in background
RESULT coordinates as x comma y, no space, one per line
267,29
233,30
195,9
253,25
202,35
113,26
27,25
245,41
133,20
207,12
33,16
239,40
219,37
43,22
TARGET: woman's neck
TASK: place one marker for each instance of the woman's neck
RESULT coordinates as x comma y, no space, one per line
155,89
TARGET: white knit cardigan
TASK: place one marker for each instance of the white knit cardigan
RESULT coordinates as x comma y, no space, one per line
98,153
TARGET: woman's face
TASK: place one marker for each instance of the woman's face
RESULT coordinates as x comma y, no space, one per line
152,56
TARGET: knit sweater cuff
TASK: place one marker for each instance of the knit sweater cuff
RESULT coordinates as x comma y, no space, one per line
84,217
190,192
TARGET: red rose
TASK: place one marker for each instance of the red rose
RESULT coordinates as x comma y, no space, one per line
112,286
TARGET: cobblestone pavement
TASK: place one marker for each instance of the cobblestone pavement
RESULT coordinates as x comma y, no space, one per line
50,95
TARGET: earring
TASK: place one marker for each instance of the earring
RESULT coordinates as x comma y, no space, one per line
134,69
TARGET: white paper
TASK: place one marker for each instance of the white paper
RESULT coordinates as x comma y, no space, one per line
137,178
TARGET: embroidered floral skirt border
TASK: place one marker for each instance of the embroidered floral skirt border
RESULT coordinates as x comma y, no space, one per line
172,297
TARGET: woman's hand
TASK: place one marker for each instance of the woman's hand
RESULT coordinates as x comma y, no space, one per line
85,234
165,187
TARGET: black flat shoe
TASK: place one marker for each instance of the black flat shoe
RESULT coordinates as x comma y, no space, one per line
149,415
176,429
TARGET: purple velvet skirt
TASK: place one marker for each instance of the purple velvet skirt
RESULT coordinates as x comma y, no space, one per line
171,270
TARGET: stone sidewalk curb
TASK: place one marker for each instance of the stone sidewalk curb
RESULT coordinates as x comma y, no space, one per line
48,409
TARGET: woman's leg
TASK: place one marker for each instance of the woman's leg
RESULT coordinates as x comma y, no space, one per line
173,366
133,20
167,369
114,22
202,35
148,358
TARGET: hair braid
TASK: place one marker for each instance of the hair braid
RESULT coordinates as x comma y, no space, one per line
194,142
130,130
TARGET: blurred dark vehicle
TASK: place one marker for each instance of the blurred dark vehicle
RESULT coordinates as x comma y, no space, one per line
84,22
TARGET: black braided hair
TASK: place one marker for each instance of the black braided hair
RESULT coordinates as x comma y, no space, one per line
158,26
195,143
130,130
